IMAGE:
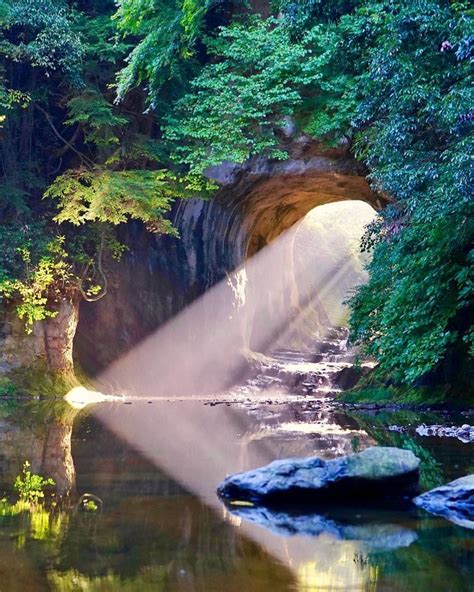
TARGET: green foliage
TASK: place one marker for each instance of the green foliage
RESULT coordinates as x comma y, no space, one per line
34,268
301,14
9,99
103,48
416,90
168,31
47,39
37,381
238,101
397,79
7,388
65,140
390,81
90,506
30,486
95,114
106,196
401,395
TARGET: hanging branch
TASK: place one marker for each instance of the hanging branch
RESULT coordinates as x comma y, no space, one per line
101,272
82,156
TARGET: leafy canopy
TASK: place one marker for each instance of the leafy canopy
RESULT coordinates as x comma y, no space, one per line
63,139
100,102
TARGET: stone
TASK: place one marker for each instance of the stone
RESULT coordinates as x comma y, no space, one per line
454,501
464,433
374,534
377,473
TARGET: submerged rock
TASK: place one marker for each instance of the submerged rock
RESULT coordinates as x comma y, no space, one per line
374,534
379,473
454,501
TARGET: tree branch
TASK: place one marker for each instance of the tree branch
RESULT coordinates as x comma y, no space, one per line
82,156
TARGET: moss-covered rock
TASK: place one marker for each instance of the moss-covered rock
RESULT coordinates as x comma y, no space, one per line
377,473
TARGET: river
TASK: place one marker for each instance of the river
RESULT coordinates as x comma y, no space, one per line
156,523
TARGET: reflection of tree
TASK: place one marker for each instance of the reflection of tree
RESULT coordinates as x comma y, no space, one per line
57,460
440,561
139,544
38,431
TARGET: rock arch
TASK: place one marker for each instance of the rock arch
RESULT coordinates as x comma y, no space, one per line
160,276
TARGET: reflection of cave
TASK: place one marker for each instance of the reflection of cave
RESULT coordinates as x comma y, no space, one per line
159,276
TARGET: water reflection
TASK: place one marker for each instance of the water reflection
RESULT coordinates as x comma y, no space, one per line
372,529
161,527
38,431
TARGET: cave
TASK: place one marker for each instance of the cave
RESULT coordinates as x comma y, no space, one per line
161,276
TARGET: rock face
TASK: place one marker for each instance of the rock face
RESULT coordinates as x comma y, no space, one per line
50,343
454,501
373,534
377,473
17,347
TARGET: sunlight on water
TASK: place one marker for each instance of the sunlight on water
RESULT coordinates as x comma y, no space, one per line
79,397
344,570
159,526
317,428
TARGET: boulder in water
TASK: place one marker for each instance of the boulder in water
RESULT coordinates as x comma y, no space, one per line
454,501
377,473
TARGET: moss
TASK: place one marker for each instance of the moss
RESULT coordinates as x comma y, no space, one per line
410,396
37,380
431,473
7,387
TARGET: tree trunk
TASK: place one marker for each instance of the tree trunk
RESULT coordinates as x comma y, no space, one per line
59,334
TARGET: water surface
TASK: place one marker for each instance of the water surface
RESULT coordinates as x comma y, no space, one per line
159,526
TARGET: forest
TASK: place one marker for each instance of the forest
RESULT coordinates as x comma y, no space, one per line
110,112
236,296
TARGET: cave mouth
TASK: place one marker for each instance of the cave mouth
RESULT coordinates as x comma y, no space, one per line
285,300
207,275
305,275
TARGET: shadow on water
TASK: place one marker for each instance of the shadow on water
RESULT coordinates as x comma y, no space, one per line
161,527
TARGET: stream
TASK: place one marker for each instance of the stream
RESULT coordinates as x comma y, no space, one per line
153,466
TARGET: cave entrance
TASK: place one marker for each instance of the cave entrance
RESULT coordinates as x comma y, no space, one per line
242,277
298,281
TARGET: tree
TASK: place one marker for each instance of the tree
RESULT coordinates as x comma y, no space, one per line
415,134
69,157
109,114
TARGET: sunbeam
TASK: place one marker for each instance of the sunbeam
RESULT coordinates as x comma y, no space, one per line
203,352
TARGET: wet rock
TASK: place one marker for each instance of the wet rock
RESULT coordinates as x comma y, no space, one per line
377,473
323,363
397,428
464,433
454,501
375,535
